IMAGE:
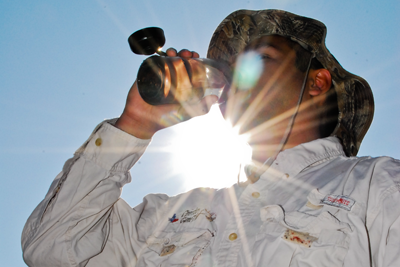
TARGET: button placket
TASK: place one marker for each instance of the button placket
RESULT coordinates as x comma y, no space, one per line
231,245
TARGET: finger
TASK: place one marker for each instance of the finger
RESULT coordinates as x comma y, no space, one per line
171,52
195,54
185,53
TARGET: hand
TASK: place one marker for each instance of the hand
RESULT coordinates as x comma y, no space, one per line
144,120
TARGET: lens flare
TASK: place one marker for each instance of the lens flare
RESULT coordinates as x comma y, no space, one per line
171,118
248,70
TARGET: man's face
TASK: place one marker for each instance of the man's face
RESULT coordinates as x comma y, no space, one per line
261,111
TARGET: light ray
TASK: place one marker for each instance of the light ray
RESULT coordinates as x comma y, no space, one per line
240,226
269,123
256,105
114,18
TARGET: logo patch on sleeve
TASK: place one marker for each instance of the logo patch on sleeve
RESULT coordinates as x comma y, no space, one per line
339,201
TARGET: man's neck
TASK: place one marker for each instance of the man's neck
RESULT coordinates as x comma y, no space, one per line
262,151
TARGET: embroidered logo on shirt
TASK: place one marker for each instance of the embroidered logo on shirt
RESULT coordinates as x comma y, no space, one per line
303,239
173,219
190,215
339,201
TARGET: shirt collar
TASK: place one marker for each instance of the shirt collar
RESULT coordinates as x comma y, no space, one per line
291,162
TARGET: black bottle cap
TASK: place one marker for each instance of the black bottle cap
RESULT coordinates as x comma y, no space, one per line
147,41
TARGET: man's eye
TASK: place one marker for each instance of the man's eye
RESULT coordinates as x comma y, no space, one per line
265,57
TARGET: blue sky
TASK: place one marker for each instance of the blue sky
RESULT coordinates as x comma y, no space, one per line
66,65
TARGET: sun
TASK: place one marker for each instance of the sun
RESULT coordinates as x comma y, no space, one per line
208,152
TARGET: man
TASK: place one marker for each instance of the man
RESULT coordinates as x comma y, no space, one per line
308,201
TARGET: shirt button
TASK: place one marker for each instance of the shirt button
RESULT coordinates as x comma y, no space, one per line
98,141
255,194
232,236
287,175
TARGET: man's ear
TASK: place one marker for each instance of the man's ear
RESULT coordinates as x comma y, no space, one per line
320,82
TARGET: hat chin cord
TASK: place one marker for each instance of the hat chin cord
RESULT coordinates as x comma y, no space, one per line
288,130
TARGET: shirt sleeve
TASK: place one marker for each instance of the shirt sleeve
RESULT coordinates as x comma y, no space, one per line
71,224
383,217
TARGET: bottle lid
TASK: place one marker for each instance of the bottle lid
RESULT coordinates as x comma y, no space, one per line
147,41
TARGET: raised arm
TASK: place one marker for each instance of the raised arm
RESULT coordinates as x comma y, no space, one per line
143,120
74,222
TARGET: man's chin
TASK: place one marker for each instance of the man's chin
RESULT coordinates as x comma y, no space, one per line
261,152
222,108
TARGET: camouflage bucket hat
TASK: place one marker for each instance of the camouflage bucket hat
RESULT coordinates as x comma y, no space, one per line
354,95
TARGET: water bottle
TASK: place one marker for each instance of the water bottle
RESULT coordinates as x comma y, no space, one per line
173,80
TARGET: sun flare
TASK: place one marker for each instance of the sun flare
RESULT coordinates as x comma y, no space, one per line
208,152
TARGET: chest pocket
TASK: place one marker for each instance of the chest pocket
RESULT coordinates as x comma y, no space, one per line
182,240
299,239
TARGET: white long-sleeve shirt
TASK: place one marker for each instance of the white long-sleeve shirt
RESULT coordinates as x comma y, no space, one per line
313,207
